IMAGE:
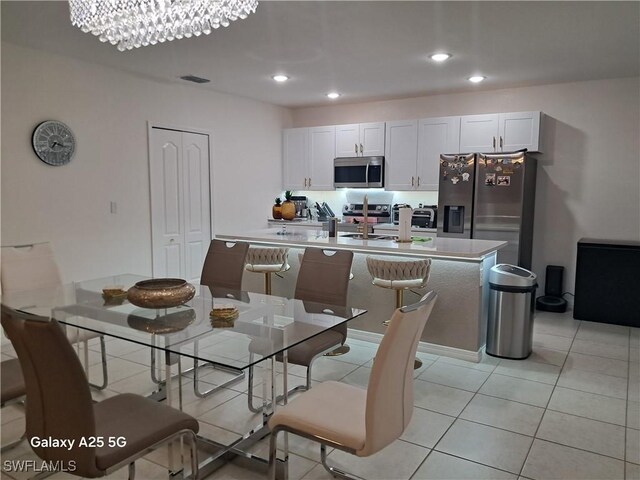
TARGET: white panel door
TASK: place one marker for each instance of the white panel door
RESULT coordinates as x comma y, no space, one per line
435,136
166,212
322,148
372,139
401,155
180,203
197,218
479,133
519,130
348,140
295,158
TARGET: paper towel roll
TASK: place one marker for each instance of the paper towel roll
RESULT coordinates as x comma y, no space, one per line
404,224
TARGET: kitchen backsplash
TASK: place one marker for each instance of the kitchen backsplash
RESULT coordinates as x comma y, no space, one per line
337,198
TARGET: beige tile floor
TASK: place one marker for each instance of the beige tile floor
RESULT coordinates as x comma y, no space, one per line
570,411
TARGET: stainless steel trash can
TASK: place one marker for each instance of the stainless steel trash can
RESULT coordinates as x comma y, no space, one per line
511,305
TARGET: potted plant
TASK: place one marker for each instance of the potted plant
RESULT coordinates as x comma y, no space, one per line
288,207
277,209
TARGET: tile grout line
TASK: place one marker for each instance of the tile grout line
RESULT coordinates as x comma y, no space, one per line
535,434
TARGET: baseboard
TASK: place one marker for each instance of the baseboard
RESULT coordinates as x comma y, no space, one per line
423,347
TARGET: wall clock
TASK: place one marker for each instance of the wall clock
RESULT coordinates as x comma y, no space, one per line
54,143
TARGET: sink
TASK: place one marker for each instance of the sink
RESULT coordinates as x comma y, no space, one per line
372,236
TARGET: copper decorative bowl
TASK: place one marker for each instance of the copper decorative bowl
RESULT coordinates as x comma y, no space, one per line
161,293
163,324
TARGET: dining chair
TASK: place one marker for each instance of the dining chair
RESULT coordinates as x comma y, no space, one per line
349,418
33,267
59,406
223,269
12,390
323,278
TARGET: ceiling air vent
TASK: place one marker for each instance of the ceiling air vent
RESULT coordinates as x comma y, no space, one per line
194,79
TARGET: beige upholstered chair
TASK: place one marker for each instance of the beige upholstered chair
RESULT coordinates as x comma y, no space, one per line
59,405
267,260
358,421
33,267
323,278
12,389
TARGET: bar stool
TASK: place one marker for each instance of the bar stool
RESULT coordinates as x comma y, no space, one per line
400,275
267,260
342,349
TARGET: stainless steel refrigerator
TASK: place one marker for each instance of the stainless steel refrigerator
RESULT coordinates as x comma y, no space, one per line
489,196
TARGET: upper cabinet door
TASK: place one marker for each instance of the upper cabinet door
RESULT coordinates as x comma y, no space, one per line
295,158
519,130
348,140
401,155
322,148
372,139
479,133
435,136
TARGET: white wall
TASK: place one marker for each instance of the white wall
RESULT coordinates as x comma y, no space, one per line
588,182
108,111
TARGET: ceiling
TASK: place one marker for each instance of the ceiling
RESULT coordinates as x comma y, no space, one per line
366,50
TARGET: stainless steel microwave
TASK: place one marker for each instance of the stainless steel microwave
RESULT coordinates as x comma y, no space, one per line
358,172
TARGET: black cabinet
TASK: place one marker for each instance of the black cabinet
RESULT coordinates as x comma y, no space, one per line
608,282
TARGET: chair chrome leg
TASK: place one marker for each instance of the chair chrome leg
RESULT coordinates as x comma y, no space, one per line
103,355
273,450
196,380
132,471
335,472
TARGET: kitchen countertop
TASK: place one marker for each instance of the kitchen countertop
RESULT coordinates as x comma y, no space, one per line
442,247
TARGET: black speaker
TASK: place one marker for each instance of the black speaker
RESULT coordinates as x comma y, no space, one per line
552,300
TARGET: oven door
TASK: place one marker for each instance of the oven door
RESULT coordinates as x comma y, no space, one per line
358,172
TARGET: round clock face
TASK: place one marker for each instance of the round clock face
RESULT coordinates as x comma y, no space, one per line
54,143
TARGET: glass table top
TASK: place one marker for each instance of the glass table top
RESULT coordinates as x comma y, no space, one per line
265,325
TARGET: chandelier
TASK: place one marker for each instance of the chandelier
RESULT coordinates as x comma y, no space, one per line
136,23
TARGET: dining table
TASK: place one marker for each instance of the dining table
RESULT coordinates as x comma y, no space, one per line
260,328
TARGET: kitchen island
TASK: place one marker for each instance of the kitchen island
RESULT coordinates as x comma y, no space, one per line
459,274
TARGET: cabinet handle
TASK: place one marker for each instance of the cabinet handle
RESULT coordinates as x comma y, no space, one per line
356,146
412,181
501,142
309,181
305,181
418,182
361,149
494,143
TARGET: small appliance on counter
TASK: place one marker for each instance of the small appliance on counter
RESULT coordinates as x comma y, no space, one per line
425,216
301,206
395,212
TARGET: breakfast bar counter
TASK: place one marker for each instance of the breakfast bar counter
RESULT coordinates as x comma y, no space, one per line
459,275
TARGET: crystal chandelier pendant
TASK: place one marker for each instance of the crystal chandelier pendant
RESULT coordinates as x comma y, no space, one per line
136,23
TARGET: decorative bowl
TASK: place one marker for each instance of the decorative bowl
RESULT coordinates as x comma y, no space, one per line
163,324
161,293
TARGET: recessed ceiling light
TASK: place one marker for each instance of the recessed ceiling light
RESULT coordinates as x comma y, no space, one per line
440,57
280,78
333,95
476,78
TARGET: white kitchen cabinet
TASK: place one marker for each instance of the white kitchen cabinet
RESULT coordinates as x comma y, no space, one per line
519,130
500,132
322,148
295,158
360,139
435,136
307,158
413,149
401,155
